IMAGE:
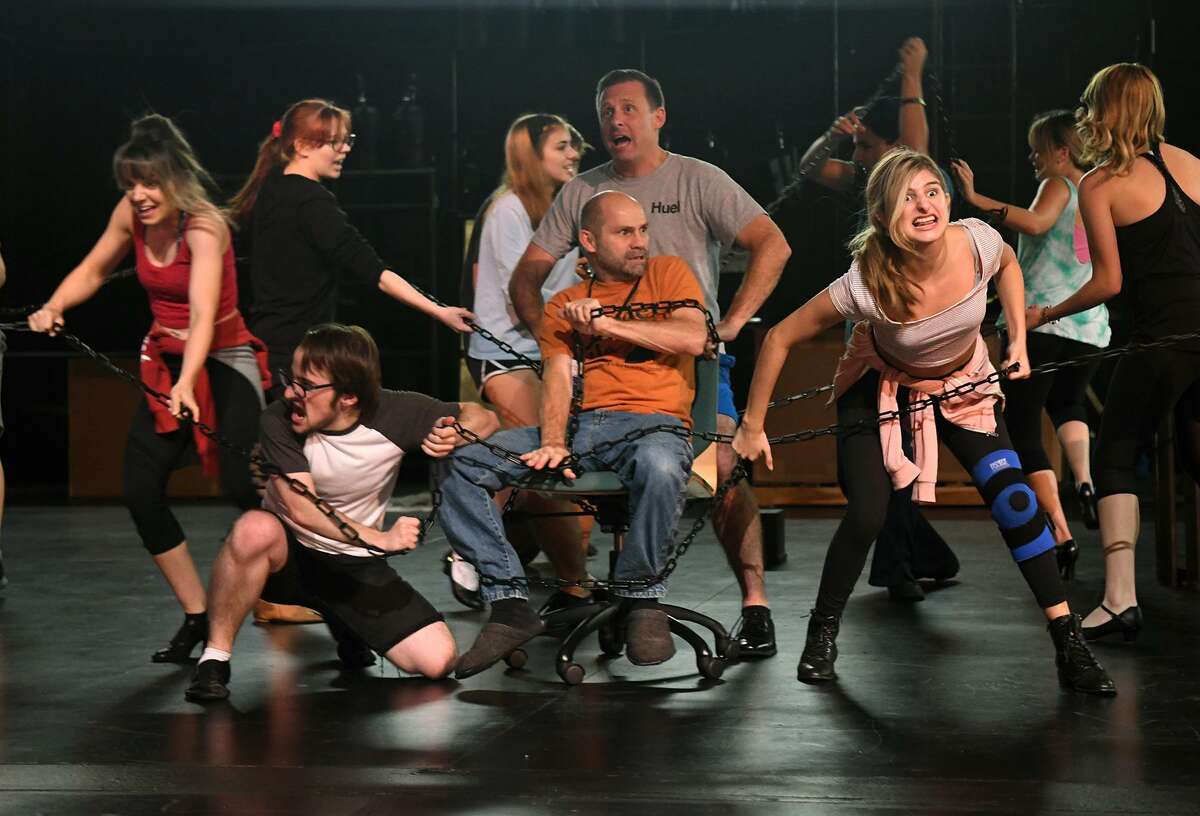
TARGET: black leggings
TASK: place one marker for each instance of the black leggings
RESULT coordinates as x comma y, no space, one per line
1145,386
868,487
150,456
1061,393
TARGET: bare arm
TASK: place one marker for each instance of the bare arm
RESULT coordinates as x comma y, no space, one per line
84,280
684,332
833,173
1010,288
402,535
800,326
913,127
556,409
769,251
525,288
442,439
1052,198
1105,282
397,287
3,271
206,238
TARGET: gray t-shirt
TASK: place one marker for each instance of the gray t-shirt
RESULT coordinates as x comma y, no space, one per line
693,209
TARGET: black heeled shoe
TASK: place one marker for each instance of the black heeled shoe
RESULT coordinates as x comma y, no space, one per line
1087,506
1128,623
1078,668
1066,554
194,630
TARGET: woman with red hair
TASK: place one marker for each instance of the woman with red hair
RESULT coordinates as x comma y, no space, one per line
300,240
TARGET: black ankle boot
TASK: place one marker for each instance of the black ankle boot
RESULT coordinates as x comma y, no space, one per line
1078,668
194,630
820,649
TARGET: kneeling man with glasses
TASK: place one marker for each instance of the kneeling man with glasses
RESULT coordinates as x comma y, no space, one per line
342,436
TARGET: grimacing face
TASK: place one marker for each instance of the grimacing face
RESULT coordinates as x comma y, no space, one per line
924,208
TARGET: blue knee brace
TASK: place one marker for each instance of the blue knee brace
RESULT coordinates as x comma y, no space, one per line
1013,503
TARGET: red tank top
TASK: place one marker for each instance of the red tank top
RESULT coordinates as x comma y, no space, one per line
167,285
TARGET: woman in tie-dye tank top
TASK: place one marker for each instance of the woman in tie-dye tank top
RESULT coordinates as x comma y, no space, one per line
1054,258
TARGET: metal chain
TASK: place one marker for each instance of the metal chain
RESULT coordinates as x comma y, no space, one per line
251,457
832,140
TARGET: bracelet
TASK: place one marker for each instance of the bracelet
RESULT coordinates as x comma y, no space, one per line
912,100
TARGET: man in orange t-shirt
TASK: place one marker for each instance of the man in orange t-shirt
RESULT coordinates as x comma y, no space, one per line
638,374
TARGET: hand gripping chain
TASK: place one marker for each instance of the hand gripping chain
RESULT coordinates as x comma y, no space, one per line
676,551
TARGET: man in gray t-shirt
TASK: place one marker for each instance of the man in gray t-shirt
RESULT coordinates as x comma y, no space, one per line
693,210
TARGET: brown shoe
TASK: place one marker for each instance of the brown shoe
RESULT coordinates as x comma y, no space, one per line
267,612
648,637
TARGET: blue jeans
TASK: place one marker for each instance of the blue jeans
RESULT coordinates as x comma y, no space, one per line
653,468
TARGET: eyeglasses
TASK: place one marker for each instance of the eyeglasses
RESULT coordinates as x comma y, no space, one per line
304,388
337,144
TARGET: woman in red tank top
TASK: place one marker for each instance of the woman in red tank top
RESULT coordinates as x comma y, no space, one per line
198,348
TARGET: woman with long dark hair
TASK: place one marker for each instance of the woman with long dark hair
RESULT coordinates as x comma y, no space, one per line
198,348
300,240
1141,211
1053,254
917,291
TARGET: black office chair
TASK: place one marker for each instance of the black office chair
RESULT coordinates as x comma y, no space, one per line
607,499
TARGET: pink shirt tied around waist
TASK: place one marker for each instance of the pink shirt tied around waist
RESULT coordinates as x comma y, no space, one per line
973,411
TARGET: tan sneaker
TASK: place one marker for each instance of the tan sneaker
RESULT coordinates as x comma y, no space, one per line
267,612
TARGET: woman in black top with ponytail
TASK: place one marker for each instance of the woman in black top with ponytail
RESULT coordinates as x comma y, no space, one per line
300,239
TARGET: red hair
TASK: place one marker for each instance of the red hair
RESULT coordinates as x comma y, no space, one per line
312,121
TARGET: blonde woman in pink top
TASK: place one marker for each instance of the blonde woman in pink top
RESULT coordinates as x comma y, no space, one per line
917,291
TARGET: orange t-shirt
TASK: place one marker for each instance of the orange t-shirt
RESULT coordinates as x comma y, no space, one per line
618,375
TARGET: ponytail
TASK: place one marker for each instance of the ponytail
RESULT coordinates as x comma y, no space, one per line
312,121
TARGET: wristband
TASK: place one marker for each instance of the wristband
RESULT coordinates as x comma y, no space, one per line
912,100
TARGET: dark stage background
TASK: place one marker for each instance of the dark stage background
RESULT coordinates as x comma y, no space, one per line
747,84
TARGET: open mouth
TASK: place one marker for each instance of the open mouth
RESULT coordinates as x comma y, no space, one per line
621,139
297,415
924,221
146,210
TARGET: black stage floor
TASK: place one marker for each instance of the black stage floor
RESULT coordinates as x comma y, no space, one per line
949,706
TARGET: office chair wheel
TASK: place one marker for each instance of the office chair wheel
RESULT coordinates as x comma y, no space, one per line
710,667
611,642
571,673
516,659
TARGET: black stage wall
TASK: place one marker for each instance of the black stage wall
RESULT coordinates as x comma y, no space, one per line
747,84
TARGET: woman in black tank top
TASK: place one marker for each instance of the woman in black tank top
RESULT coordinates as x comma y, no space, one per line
1155,260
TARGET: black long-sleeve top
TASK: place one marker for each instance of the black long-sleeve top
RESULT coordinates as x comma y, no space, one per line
300,240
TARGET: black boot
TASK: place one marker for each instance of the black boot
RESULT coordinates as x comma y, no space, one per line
193,631
820,649
1078,668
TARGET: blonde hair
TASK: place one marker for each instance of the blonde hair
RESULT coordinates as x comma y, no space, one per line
1056,129
881,247
1121,117
157,153
524,173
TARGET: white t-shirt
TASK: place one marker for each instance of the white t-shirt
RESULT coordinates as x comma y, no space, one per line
507,230
355,469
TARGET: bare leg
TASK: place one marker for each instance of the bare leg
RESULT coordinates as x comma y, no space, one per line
1076,442
1120,519
179,569
256,547
430,651
738,525
1045,487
